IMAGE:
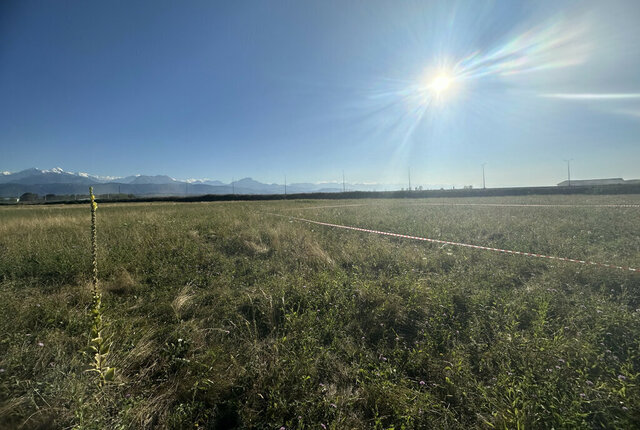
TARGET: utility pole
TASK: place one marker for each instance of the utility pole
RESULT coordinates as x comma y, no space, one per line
569,170
484,187
343,188
409,178
285,185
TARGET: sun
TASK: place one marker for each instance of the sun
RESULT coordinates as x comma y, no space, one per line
440,84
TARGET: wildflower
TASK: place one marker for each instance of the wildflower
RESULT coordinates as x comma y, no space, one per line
583,395
622,377
422,383
1,370
323,426
561,360
333,405
589,383
624,408
283,428
40,344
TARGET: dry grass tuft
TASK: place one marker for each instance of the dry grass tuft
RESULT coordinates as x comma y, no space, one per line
183,302
142,360
256,248
122,283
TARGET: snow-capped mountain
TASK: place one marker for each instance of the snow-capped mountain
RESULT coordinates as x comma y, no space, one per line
59,181
36,176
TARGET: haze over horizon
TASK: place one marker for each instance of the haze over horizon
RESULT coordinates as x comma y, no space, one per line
309,89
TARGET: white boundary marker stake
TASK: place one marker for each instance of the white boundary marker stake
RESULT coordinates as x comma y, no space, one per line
465,245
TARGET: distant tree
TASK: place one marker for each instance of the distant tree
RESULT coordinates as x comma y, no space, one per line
28,197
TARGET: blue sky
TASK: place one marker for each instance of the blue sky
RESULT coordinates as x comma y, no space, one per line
206,89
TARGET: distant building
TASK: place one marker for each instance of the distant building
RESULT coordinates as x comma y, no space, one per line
590,182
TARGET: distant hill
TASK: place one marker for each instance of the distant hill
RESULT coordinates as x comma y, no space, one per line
60,182
158,179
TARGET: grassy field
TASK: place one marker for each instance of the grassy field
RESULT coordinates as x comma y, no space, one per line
223,315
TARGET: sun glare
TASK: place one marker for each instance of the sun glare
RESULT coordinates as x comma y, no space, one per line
441,83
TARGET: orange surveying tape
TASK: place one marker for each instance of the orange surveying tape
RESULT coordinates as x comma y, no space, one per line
465,245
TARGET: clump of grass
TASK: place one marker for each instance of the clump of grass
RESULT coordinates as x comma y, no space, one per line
122,283
98,345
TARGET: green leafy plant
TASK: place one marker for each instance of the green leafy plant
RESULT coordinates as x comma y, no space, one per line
98,346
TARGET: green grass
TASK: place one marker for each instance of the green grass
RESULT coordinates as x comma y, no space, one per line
223,316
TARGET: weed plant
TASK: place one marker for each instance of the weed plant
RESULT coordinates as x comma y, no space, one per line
225,317
99,346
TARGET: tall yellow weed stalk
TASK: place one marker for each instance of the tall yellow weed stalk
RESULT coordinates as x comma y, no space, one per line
98,346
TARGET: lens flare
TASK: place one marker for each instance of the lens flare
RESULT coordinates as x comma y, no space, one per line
556,44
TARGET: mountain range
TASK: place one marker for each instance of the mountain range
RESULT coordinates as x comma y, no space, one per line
60,182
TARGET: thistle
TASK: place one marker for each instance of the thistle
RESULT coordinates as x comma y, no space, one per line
98,345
